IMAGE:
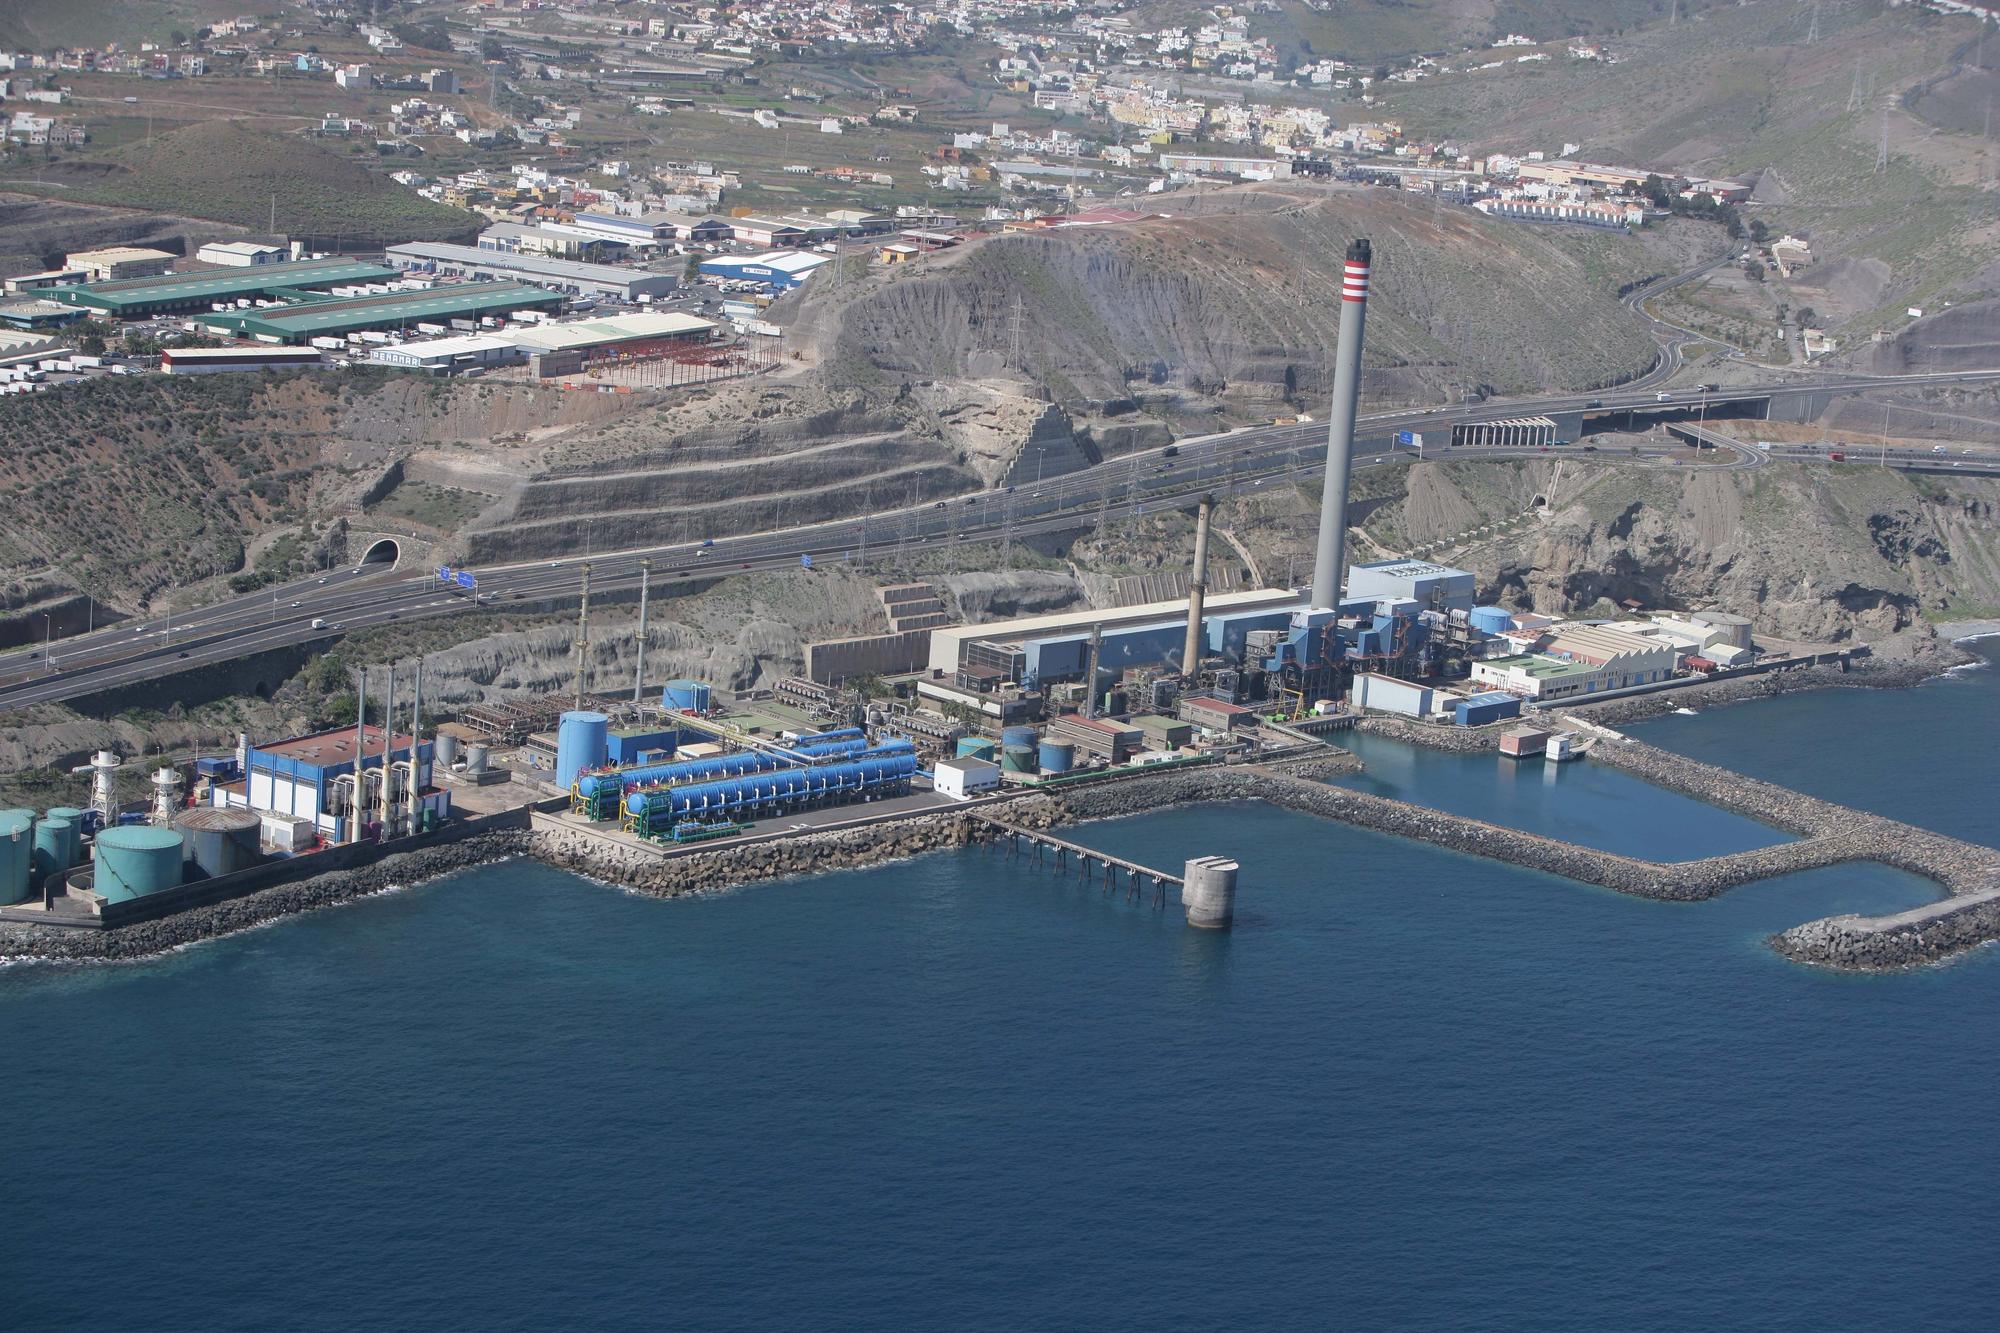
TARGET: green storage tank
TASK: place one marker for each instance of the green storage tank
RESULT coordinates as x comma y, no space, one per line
53,839
135,860
17,851
75,818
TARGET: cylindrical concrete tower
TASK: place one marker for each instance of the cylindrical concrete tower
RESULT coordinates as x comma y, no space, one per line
1208,891
1328,559
1197,590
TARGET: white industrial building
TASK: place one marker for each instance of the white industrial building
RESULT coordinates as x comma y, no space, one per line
445,356
1386,694
962,779
1580,659
240,254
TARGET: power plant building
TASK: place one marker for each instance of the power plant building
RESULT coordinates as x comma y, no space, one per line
1035,649
298,777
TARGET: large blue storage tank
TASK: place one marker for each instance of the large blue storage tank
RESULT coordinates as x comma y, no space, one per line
687,696
53,840
17,852
1058,756
581,742
1480,709
78,825
1491,620
134,860
977,747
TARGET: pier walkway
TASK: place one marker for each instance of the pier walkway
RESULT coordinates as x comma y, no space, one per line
1059,851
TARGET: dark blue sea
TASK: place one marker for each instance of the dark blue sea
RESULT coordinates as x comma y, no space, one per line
1409,1090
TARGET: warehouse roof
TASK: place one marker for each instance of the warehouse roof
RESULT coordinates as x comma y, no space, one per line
612,328
387,310
214,284
559,270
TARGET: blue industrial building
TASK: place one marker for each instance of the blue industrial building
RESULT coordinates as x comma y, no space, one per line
779,270
298,778
883,771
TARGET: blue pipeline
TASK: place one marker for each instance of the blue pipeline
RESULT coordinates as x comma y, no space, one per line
877,770
844,743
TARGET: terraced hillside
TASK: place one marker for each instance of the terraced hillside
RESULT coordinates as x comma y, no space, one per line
1239,304
804,460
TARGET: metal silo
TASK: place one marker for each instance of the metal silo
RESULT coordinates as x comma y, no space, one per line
1058,756
76,826
17,849
582,741
53,840
134,860
219,841
445,749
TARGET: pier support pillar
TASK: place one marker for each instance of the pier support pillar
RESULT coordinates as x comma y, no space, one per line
1208,891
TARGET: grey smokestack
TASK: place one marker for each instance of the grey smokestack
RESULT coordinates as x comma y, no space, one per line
1328,559
1197,589
356,809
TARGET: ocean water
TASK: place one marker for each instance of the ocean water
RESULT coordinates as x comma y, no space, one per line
1411,1089
1590,804
1929,756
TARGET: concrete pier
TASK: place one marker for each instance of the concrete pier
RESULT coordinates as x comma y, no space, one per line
1208,891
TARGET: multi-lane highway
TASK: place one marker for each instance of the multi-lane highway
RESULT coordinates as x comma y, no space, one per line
323,607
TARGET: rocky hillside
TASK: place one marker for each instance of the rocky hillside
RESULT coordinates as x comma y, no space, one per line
1810,553
127,487
1239,304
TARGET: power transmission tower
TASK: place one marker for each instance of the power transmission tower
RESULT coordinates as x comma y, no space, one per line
1882,151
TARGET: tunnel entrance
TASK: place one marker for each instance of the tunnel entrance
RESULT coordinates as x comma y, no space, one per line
384,552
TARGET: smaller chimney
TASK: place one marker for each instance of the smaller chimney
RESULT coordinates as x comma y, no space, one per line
1197,589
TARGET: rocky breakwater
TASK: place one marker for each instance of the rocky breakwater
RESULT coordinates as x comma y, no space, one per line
1926,934
1458,740
144,938
645,871
1969,873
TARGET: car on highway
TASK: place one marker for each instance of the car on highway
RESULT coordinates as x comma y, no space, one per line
1595,402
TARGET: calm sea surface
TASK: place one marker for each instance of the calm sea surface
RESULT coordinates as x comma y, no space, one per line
1411,1089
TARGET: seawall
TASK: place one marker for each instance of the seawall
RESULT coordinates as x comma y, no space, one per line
144,938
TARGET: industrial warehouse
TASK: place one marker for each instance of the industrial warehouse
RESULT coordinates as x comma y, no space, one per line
578,279
203,290
332,317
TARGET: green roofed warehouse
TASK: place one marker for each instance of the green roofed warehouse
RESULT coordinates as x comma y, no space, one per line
201,290
313,318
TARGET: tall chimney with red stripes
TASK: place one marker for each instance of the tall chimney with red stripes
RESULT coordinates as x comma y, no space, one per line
1327,561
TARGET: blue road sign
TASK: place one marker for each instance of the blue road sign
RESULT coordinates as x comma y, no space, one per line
465,580
1406,437
805,562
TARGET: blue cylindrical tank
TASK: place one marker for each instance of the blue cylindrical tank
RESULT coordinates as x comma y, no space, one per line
1490,620
53,840
78,823
134,860
1058,756
688,696
1012,736
17,851
582,741
976,747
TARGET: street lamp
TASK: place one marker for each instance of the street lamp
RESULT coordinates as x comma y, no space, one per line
48,641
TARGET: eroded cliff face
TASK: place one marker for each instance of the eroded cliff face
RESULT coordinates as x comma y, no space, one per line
1816,554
